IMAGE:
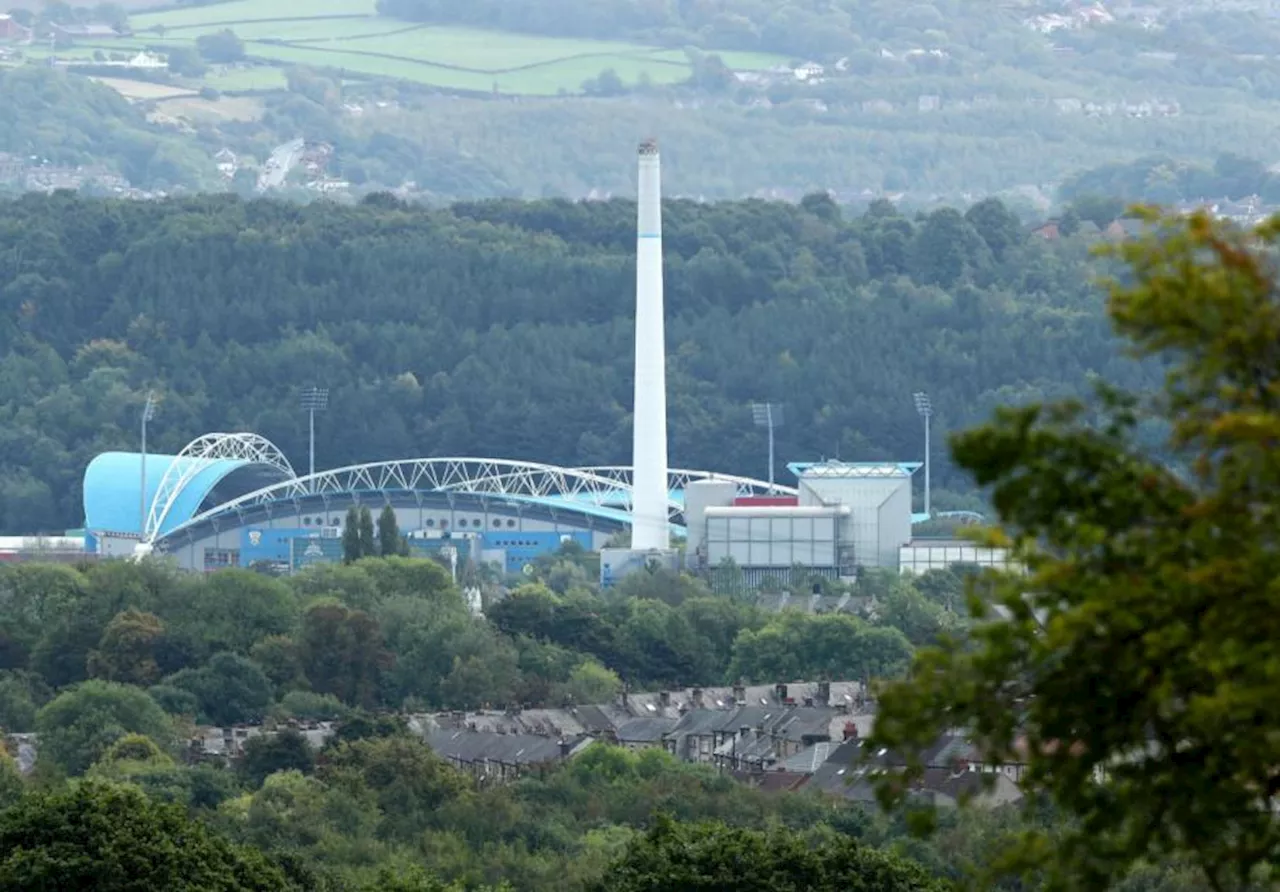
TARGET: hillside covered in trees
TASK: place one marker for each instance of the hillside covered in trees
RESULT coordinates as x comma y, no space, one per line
504,329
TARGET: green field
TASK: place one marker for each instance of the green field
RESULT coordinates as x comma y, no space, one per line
348,35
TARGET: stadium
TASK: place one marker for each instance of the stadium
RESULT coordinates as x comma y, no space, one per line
233,499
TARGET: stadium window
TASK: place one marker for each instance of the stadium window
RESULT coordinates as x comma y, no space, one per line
511,524
443,524
306,521
431,521
496,523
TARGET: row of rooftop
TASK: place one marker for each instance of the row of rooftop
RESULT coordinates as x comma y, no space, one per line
778,737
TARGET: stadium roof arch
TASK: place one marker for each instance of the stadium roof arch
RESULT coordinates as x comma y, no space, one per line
227,476
600,493
207,471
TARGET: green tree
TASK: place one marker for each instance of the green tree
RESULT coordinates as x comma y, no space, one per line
186,61
227,611
11,783
368,542
278,658
389,542
351,551
411,783
1145,627
589,682
21,694
78,726
834,646
266,754
109,838
716,858
229,689
343,653
220,46
127,651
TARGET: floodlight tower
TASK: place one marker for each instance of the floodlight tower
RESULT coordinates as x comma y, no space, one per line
925,409
314,399
768,415
649,529
148,412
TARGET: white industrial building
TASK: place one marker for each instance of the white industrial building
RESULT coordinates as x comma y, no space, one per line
843,517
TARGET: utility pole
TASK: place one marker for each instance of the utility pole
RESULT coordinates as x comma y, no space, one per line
768,415
314,399
148,412
925,409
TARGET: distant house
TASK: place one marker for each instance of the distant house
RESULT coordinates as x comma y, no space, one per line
11,31
808,71
953,771
1048,230
502,758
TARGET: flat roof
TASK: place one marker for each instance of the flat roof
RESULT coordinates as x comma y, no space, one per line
855,470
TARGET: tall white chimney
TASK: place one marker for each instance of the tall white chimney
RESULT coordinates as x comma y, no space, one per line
649,530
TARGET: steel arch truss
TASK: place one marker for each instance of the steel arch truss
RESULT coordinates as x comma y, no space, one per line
195,458
555,486
679,478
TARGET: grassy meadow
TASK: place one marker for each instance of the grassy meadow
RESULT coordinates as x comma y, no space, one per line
349,35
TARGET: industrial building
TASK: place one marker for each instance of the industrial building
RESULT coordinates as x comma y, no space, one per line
843,517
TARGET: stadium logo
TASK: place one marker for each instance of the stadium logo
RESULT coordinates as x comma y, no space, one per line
255,538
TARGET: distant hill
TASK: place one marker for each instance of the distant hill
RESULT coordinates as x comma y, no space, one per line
68,121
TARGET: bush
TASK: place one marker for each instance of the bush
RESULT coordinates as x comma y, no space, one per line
310,706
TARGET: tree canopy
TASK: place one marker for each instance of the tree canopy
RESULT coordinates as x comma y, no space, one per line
107,838
715,858
1133,667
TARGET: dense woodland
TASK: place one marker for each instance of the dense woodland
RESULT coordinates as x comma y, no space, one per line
110,664
505,329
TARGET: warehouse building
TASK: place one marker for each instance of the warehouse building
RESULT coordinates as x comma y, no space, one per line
843,517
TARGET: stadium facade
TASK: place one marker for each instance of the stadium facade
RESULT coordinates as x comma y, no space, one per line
233,499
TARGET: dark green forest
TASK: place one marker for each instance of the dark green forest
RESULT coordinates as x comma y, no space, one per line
504,329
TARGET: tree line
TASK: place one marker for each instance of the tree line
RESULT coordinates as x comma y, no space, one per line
392,633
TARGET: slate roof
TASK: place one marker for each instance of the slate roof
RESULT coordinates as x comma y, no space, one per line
843,775
644,730
473,747
809,760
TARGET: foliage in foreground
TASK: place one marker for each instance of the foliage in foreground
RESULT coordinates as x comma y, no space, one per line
715,858
1137,675
107,838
